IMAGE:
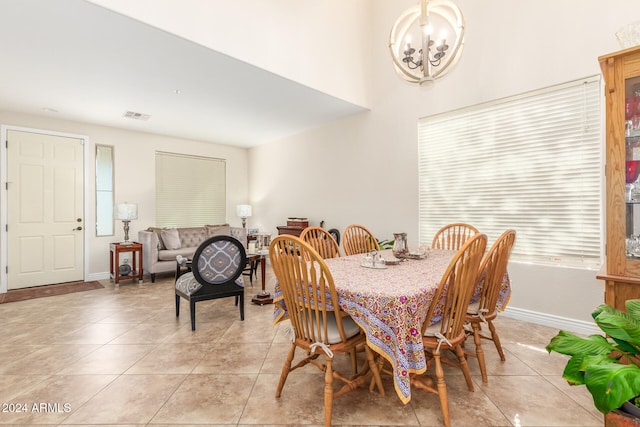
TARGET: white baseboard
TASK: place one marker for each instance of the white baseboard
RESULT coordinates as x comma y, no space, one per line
571,325
98,276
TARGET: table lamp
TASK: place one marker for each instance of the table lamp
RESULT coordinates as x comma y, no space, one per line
244,212
126,212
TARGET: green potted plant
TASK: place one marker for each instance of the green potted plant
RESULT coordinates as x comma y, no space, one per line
609,366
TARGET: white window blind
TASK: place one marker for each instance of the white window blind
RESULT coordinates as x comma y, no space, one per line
190,190
531,162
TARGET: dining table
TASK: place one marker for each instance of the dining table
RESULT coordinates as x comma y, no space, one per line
390,303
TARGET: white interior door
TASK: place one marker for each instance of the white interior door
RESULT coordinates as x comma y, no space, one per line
45,235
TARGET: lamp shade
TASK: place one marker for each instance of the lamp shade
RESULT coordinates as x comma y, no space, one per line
243,211
126,211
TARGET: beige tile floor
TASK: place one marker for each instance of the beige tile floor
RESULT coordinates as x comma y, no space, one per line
119,356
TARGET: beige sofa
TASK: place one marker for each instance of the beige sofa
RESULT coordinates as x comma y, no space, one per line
161,246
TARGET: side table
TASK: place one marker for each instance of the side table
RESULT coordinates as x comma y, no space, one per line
263,297
136,261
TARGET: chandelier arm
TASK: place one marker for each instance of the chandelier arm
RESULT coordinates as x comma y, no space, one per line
432,64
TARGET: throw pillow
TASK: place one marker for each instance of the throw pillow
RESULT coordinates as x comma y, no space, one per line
157,230
171,238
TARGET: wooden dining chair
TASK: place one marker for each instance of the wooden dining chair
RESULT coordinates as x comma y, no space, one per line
453,236
443,325
321,241
320,327
357,239
485,310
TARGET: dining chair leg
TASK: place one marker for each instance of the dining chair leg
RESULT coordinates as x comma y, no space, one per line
479,351
464,366
328,391
373,365
496,340
442,390
286,369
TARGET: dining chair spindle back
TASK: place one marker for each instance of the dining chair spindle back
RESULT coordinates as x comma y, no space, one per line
491,273
319,326
357,239
453,236
450,304
321,241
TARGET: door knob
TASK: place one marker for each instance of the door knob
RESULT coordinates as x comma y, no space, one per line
77,228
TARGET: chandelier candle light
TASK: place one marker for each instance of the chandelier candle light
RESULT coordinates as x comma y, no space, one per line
126,212
429,19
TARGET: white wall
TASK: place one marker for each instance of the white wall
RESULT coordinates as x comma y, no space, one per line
364,169
134,176
292,38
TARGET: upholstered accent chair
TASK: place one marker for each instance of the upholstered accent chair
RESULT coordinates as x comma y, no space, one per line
216,271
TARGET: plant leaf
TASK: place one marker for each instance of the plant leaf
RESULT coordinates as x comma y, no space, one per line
573,372
633,308
612,384
570,344
621,327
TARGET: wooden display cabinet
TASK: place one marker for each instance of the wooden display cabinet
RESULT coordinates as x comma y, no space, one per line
621,271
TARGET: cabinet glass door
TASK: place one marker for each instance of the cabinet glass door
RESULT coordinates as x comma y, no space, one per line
632,158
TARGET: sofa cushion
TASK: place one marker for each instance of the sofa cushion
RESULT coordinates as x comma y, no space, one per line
218,230
171,238
192,237
170,255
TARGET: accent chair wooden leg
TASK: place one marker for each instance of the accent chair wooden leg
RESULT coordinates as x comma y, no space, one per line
241,306
192,308
177,305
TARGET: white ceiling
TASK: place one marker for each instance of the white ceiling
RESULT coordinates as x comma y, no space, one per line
92,65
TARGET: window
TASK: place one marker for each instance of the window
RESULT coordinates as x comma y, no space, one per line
104,190
531,162
190,190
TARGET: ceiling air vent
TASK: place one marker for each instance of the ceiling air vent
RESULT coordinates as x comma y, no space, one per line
137,116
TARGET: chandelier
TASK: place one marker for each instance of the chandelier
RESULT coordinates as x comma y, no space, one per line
438,27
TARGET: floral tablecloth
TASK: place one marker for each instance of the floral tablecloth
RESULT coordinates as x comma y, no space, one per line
390,305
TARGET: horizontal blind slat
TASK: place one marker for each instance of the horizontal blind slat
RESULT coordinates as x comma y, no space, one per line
532,162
